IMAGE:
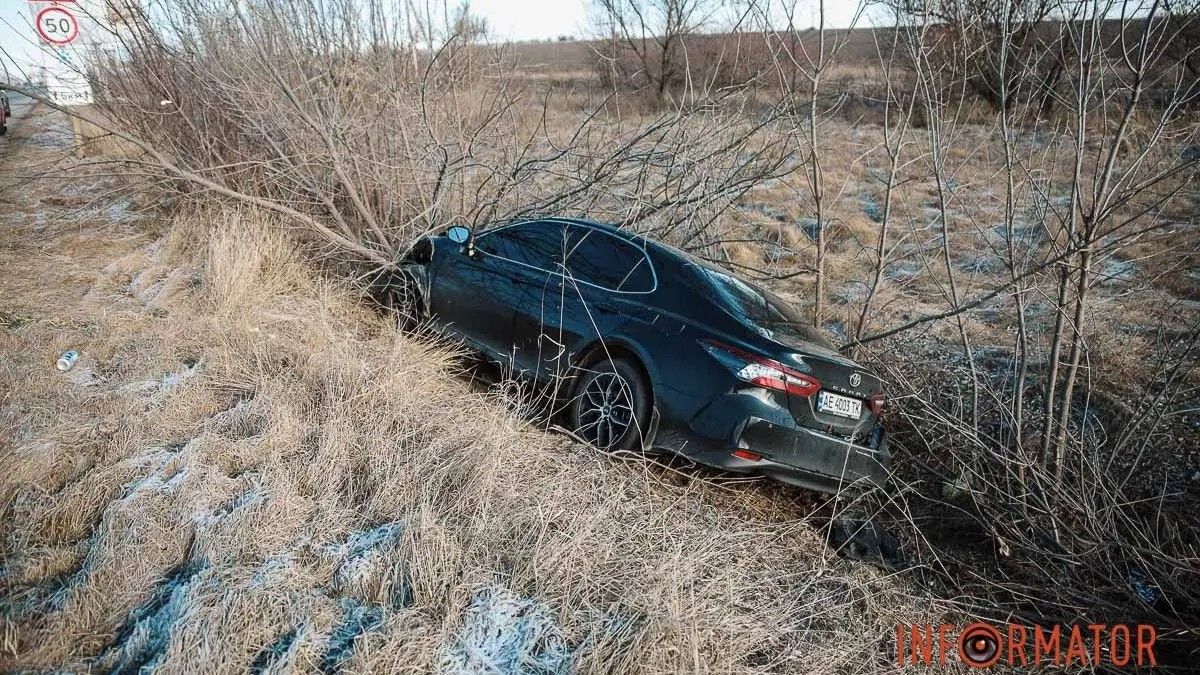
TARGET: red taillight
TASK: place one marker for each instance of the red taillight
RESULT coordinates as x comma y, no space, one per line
761,371
876,403
747,455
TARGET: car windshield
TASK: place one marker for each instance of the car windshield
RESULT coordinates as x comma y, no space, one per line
763,310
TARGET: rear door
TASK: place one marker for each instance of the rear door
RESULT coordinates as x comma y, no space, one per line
603,278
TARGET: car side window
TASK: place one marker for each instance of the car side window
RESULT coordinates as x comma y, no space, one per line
598,258
537,244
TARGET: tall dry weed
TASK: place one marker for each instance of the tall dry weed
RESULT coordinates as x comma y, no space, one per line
267,474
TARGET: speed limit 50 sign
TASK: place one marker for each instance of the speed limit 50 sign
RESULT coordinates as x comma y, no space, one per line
57,26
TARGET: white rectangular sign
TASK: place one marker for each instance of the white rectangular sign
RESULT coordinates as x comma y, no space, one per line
60,27
63,92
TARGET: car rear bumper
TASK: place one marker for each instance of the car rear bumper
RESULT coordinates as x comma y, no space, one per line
811,459
786,451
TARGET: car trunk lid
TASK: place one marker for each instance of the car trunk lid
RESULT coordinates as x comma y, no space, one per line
843,404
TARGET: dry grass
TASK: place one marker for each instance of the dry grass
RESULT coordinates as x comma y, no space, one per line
93,141
320,492
248,467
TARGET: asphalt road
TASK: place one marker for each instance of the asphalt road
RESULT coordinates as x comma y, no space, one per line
21,105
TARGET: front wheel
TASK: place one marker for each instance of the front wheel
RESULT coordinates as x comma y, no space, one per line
611,405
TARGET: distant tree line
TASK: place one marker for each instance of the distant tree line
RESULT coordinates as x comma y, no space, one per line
663,47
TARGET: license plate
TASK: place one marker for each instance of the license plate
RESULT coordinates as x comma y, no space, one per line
843,406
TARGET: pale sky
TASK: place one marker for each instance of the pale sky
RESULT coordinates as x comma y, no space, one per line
508,20
533,19
16,37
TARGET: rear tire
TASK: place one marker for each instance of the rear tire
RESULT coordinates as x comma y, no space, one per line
610,407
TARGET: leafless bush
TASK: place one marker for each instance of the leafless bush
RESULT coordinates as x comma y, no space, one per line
366,141
1067,510
1000,51
655,45
802,74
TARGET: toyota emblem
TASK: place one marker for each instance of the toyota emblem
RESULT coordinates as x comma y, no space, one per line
855,379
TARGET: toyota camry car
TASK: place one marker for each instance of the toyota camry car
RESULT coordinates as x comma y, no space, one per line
648,347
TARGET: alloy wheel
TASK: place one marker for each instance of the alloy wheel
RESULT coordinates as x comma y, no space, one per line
606,410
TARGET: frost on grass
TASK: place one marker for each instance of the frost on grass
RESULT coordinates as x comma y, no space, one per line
53,593
357,618
240,420
70,581
253,495
502,633
362,555
155,390
1116,271
143,639
25,595
164,476
274,570
274,654
54,135
871,207
172,380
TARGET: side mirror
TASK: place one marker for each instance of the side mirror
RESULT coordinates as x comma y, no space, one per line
462,235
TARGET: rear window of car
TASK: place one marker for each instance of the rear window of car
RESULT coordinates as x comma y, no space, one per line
765,311
601,259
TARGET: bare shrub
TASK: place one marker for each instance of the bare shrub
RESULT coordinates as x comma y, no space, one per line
653,45
795,61
1000,51
367,143
1034,451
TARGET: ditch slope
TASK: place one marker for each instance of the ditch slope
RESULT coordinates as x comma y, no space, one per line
248,470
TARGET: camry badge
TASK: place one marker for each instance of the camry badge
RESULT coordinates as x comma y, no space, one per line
855,379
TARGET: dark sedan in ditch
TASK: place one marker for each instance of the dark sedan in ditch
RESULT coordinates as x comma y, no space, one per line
645,346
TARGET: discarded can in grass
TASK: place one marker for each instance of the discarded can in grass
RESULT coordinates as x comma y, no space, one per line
67,360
